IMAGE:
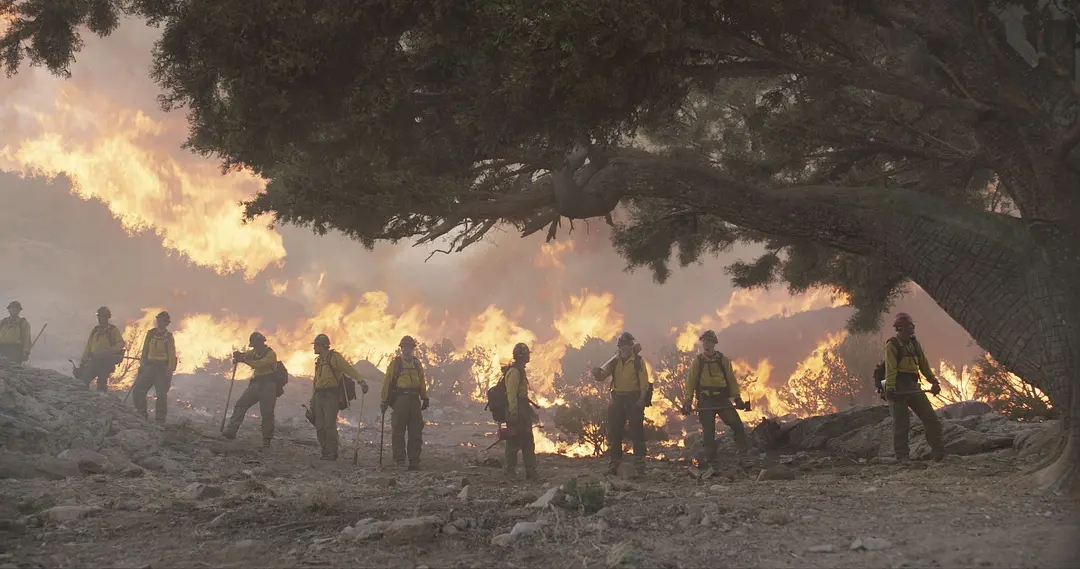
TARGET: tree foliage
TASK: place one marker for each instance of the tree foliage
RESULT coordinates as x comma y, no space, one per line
1007,394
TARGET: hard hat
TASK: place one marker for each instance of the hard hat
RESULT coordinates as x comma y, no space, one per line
520,350
14,304
322,340
902,318
709,336
626,339
164,316
256,338
104,311
407,341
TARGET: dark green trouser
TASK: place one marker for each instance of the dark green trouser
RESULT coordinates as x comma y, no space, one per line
156,375
261,390
920,405
407,417
624,409
325,405
709,408
524,442
99,368
12,352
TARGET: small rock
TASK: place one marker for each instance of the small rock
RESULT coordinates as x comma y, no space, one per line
600,525
245,544
883,460
778,472
362,531
465,494
464,483
706,520
385,482
684,522
152,463
412,530
450,529
132,471
89,462
502,540
718,488
61,514
603,512
200,491
552,497
524,529
217,522
827,548
461,524
774,517
99,478
870,544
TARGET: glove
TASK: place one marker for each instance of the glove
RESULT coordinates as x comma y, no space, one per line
740,404
686,409
363,387
425,403
237,357
597,374
935,389
383,407
641,402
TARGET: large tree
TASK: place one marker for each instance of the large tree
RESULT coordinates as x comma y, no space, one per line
866,143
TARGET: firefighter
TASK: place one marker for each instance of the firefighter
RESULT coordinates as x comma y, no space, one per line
519,416
904,359
261,389
328,393
156,367
14,335
104,351
405,392
712,380
629,392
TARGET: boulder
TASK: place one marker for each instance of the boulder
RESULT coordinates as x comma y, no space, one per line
36,466
89,462
814,433
61,514
959,440
965,409
768,435
412,530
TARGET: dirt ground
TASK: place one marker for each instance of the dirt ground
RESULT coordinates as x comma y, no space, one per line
216,503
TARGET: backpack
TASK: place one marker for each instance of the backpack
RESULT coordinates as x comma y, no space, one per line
637,372
701,369
280,376
879,371
496,398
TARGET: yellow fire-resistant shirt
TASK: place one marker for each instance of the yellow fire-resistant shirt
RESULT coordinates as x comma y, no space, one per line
330,367
261,362
517,388
716,374
411,376
159,347
104,340
16,331
627,378
913,361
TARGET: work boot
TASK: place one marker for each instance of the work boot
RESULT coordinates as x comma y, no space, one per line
510,475
229,434
266,443
937,456
531,475
160,421
639,469
414,466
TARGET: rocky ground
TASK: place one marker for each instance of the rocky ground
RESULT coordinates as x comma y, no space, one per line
85,483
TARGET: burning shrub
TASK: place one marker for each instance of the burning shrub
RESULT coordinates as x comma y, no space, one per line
1007,393
582,419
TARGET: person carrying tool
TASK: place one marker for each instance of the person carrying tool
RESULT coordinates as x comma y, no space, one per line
519,416
405,392
904,359
104,351
712,380
629,394
156,367
328,393
14,335
261,389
